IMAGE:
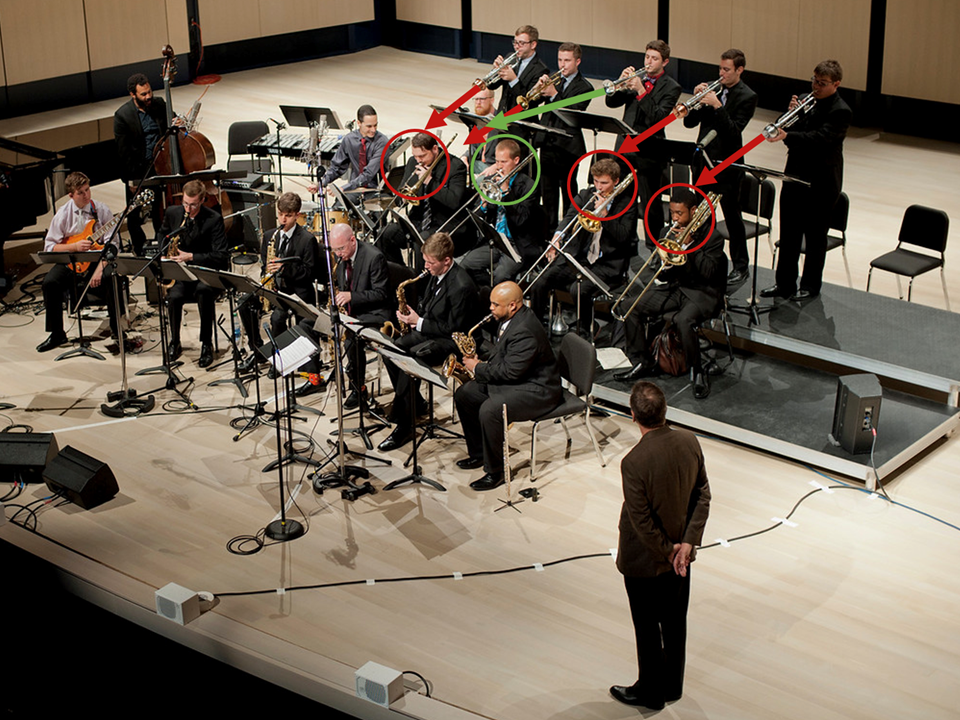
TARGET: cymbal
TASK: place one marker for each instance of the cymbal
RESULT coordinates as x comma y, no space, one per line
381,202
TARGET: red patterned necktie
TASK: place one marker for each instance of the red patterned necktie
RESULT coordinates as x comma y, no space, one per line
363,154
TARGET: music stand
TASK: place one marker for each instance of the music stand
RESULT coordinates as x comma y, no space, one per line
596,123
303,116
68,258
497,242
413,235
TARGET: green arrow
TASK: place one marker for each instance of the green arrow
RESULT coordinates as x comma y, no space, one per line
501,121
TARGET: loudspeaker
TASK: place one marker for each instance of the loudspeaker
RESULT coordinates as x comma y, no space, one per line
856,413
27,454
83,480
379,684
177,603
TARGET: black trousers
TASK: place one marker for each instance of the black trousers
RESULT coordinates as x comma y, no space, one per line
60,281
804,211
206,298
652,307
553,186
658,606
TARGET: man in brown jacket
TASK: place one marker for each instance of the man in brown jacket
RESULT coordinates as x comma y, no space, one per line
666,500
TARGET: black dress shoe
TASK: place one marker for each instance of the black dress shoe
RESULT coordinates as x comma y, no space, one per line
773,291
804,295
400,436
487,482
701,385
470,463
353,400
644,368
737,276
206,355
308,388
626,696
54,341
175,350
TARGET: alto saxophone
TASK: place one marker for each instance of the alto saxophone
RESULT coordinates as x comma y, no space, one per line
173,249
468,348
402,306
268,280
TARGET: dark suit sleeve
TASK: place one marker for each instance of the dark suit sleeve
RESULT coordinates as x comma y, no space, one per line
637,504
218,255
698,509
733,121
655,106
452,193
456,312
377,280
302,273
620,98
832,130
513,363
125,137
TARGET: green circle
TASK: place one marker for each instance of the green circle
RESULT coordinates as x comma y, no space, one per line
473,175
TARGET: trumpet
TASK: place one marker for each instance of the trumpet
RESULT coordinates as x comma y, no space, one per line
671,254
468,348
414,188
612,86
804,106
525,100
491,185
494,75
696,102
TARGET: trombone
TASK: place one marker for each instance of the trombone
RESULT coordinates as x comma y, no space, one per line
414,189
671,254
525,100
491,77
804,106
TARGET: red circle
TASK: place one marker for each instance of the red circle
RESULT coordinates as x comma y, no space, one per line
590,215
656,196
383,173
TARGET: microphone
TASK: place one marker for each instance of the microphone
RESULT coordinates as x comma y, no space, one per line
280,125
707,139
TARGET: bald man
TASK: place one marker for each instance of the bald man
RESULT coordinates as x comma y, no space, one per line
521,372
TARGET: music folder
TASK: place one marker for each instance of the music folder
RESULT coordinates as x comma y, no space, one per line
302,116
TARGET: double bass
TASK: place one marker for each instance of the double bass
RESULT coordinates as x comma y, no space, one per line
187,152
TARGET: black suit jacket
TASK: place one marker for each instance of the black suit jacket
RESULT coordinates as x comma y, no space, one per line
452,305
296,278
703,277
618,241
524,219
666,500
574,145
523,361
525,81
204,236
645,113
370,284
446,202
729,121
128,134
815,144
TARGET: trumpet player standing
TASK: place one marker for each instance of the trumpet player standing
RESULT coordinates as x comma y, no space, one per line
520,373
726,111
815,154
518,77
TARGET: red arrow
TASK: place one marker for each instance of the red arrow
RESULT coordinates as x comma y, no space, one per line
478,134
437,119
709,177
631,141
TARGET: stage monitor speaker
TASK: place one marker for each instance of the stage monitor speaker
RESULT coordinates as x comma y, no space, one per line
856,412
83,480
27,453
379,684
177,603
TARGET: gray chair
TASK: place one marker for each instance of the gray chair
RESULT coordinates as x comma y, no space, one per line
578,365
835,239
923,228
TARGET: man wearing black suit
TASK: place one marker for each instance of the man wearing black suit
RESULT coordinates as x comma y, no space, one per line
646,101
727,113
449,304
694,290
201,241
138,125
558,154
666,502
815,154
520,222
606,253
519,81
294,268
363,290
430,214
520,373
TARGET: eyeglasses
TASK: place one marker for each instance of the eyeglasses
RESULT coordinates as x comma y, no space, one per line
521,43
189,205
821,83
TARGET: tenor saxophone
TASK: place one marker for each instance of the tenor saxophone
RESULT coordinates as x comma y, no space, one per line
402,306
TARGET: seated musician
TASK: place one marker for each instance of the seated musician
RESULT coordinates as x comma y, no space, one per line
295,263
694,290
363,291
359,150
425,173
521,223
448,304
520,373
201,242
605,253
70,230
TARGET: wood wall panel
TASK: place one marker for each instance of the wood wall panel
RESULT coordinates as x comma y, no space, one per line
502,17
925,38
278,17
123,32
768,39
702,29
442,13
37,50
624,24
178,26
563,22
232,20
838,31
229,20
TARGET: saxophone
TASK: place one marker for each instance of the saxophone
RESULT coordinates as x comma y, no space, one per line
267,280
468,348
173,249
402,306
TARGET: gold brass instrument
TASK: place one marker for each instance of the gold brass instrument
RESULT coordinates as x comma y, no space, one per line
804,106
525,100
468,348
612,86
267,280
696,102
491,185
173,249
414,189
592,225
491,77
402,306
671,256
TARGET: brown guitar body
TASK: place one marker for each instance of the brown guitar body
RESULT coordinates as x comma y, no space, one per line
81,267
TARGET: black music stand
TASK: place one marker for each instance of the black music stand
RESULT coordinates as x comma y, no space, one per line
415,368
412,235
497,242
303,116
596,123
68,258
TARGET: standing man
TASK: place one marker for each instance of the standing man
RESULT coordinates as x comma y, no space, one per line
646,100
521,373
363,290
815,154
360,150
666,500
138,125
482,107
201,241
558,154
520,81
726,113
68,226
